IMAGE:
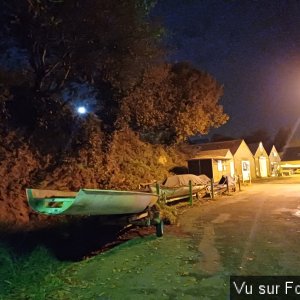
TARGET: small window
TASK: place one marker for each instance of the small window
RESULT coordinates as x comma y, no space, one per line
245,166
220,166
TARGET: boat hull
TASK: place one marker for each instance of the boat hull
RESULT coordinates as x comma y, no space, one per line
177,192
89,202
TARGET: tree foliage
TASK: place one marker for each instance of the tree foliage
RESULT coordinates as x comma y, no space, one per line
82,40
173,102
112,49
105,45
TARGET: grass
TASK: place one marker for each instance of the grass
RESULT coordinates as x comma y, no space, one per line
32,276
143,268
148,268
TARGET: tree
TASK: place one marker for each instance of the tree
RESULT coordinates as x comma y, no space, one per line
66,43
81,40
173,102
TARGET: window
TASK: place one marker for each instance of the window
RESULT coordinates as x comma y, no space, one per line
245,165
220,165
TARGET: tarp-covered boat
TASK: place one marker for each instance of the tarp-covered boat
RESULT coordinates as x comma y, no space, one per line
177,186
89,202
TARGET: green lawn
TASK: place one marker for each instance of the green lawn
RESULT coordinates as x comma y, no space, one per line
143,268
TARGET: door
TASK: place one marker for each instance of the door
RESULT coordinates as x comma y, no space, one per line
232,168
246,170
263,166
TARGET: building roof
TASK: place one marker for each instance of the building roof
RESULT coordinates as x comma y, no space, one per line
272,149
231,145
291,154
213,154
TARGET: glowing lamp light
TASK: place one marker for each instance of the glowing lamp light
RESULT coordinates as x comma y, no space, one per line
81,110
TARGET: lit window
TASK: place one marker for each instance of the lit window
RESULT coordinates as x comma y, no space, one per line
220,165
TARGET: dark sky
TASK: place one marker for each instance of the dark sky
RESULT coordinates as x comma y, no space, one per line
251,47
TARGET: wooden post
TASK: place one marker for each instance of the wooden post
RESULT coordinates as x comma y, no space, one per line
239,182
190,192
157,188
227,184
212,196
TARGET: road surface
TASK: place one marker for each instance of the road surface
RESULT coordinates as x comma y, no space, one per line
253,232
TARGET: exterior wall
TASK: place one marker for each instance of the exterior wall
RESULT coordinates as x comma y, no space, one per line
261,152
217,172
275,160
257,166
243,153
210,168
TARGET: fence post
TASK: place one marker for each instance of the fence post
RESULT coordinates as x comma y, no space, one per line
190,192
157,188
227,184
212,196
239,182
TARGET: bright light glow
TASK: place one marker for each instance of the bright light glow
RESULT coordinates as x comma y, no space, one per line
81,110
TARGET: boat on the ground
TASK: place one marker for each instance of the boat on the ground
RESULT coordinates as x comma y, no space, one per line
89,202
137,208
177,187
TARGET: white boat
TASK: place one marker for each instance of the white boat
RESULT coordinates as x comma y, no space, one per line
89,202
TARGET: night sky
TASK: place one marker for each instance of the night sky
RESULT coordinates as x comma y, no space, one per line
251,47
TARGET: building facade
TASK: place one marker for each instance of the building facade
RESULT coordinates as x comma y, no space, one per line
212,163
261,159
243,164
275,160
